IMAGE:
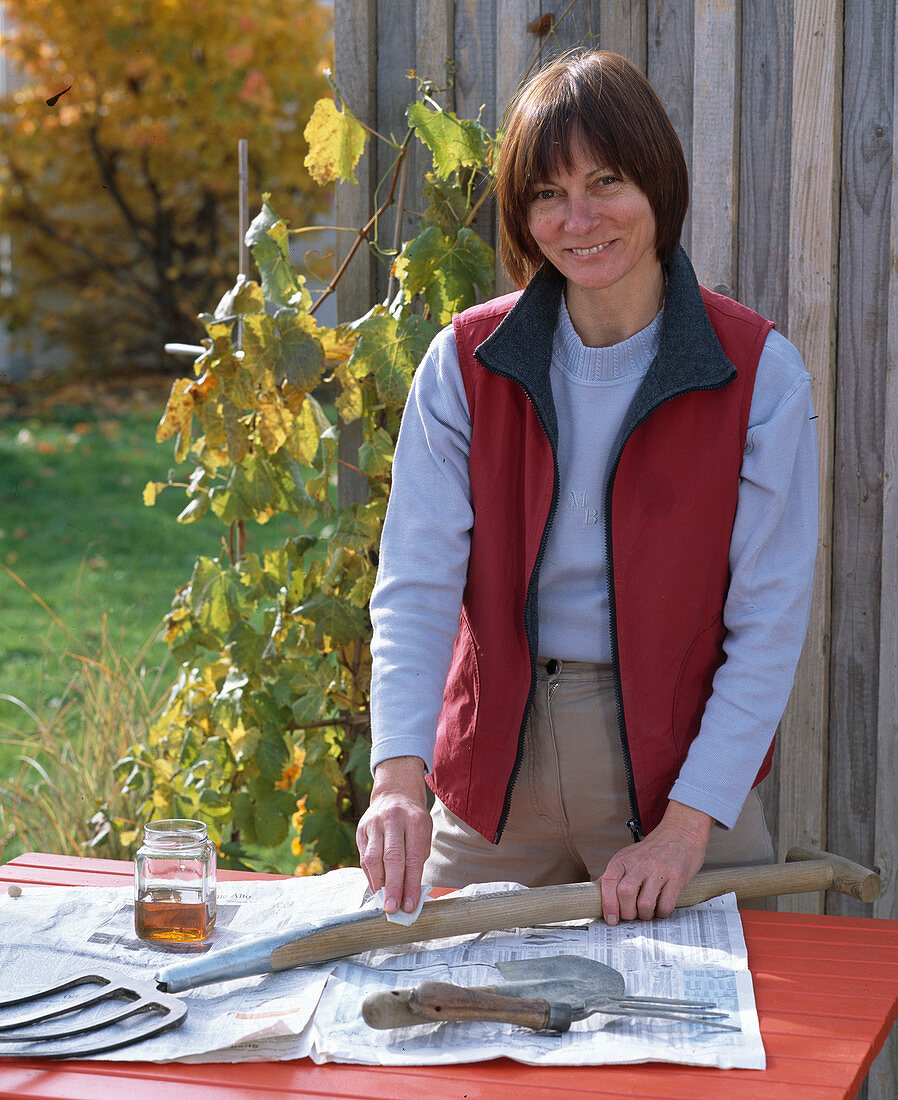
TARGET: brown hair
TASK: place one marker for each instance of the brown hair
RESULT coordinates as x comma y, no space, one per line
604,100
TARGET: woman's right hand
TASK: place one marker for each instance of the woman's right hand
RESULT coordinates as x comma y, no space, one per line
394,833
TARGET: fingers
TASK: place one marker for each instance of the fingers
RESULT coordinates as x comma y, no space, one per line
634,894
610,882
405,847
631,893
393,837
644,880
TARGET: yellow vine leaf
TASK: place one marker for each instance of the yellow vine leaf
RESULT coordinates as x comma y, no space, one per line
242,741
336,141
275,424
337,344
151,490
349,399
305,433
178,411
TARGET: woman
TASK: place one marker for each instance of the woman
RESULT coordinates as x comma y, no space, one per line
596,564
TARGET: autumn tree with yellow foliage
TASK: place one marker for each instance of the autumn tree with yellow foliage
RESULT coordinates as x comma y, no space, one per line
118,158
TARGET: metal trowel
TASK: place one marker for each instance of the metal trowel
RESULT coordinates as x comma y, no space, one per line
545,994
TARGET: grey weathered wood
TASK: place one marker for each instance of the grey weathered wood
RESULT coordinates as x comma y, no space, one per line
476,45
813,251
396,58
434,62
435,45
355,74
715,144
765,143
669,53
883,1078
622,28
577,25
519,47
477,37
857,495
763,239
514,59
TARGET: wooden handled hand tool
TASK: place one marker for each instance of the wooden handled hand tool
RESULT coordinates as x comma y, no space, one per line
545,994
805,870
306,945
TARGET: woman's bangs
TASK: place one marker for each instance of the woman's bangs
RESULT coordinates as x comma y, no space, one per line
558,138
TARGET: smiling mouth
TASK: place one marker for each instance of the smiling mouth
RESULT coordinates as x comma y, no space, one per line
590,251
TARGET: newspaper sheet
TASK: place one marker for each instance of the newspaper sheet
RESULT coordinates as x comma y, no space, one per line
51,933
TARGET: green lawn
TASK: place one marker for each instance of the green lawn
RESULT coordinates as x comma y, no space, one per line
74,529
87,571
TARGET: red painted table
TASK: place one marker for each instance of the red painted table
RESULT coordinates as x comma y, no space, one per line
826,991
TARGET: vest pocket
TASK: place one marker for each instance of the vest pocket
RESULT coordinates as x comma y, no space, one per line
694,681
458,719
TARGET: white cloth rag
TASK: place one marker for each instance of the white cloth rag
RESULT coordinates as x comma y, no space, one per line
400,916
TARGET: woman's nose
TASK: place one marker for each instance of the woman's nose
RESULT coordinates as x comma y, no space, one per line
580,214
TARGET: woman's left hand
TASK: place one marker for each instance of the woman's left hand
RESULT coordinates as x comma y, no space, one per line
644,880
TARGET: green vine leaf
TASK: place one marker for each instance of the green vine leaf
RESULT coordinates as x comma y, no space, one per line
267,238
390,350
301,358
336,622
445,271
376,454
271,819
334,840
454,142
244,297
312,686
448,204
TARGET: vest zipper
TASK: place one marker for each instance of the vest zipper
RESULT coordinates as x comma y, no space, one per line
635,822
553,507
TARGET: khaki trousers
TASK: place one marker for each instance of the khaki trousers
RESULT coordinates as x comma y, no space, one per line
569,807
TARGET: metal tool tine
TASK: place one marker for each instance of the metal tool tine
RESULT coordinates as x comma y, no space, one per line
99,975
670,1002
13,1034
25,1037
711,1019
91,996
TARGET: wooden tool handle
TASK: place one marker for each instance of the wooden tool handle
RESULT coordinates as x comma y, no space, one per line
847,877
389,1009
442,1001
451,916
805,870
464,916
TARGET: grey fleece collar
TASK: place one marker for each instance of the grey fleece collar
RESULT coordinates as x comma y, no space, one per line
689,354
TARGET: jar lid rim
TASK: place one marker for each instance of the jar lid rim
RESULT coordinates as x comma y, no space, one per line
175,825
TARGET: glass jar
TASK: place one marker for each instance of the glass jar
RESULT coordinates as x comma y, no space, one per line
174,882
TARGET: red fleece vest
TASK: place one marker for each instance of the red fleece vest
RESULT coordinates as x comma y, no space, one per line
672,508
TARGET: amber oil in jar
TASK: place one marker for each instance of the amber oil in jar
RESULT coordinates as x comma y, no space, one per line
174,882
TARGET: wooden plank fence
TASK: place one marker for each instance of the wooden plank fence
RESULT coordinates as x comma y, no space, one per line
786,111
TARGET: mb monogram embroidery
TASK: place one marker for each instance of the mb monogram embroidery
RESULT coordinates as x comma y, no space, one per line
580,500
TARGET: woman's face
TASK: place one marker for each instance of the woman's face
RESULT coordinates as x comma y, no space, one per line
596,227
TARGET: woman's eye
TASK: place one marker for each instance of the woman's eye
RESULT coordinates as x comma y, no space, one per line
543,194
